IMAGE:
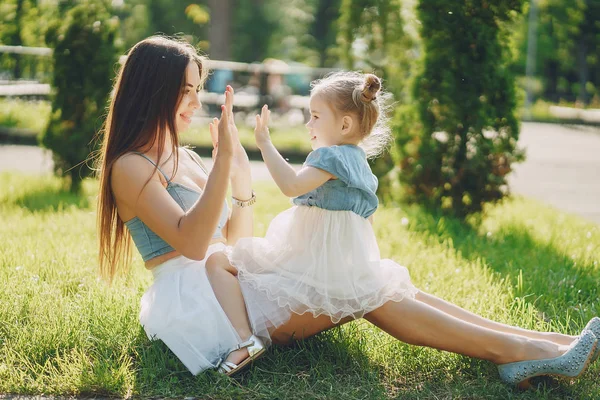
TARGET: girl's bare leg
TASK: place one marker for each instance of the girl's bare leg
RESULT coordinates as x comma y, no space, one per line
300,327
418,323
468,316
222,278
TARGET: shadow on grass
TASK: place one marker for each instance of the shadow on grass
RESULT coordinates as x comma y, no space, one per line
330,364
542,274
51,199
335,364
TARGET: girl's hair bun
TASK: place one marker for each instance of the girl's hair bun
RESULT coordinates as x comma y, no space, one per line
371,87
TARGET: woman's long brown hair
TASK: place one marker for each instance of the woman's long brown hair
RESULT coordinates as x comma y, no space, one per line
147,92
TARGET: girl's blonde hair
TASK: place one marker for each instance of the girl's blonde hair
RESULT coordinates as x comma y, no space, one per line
360,95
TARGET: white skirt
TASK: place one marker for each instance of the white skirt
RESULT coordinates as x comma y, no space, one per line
318,261
180,309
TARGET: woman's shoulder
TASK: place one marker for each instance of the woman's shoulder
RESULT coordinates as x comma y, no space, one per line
132,163
131,171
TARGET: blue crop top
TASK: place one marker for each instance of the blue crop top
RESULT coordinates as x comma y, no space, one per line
148,243
355,186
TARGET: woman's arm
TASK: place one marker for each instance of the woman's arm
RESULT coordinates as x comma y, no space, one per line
240,223
137,186
290,182
241,220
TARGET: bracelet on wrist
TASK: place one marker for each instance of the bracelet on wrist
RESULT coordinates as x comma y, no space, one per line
244,203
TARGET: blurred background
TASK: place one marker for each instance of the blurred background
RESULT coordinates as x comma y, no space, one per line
478,86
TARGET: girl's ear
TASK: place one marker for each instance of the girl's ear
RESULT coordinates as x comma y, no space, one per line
347,123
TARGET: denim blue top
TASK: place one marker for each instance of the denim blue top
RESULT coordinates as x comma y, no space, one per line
148,243
355,186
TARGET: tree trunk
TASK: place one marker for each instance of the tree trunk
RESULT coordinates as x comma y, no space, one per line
220,29
582,71
17,41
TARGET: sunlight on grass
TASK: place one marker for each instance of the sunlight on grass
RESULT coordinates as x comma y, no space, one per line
293,138
26,114
65,332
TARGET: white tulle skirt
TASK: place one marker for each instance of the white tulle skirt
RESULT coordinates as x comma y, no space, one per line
318,261
180,309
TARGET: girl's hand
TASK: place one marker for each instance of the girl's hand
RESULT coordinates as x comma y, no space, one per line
261,131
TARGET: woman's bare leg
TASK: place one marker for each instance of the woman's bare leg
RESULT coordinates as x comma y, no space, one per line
222,278
418,323
468,316
443,326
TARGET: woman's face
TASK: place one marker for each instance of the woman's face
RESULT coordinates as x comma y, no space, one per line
189,98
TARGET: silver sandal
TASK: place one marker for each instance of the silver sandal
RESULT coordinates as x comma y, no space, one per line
256,348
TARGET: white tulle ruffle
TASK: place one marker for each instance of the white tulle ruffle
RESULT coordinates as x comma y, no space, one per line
318,261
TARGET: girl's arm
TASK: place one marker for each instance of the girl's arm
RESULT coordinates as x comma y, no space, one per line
290,182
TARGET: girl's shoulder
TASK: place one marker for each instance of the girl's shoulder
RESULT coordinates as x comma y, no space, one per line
345,162
338,153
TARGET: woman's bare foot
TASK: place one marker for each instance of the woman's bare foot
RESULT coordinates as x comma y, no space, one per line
559,338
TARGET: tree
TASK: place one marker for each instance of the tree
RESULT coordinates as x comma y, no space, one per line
568,36
372,37
458,142
84,63
220,31
11,33
253,27
324,29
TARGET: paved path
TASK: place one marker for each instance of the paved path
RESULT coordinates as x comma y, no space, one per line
562,167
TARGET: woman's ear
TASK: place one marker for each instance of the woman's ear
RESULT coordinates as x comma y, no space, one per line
347,124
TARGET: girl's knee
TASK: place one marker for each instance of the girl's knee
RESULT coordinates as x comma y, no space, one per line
217,262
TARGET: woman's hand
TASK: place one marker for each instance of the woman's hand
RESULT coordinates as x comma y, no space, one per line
261,131
220,130
240,162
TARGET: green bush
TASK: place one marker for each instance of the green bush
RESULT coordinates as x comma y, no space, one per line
457,141
84,58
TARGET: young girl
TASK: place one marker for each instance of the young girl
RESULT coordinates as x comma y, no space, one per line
320,257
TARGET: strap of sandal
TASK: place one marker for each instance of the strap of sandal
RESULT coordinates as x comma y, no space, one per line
251,343
248,343
226,366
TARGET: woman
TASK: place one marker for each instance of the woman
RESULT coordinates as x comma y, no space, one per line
161,196
175,211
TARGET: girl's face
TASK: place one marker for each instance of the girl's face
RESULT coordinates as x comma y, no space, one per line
189,102
324,127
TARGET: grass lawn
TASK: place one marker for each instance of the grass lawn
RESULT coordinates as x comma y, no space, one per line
31,115
65,332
